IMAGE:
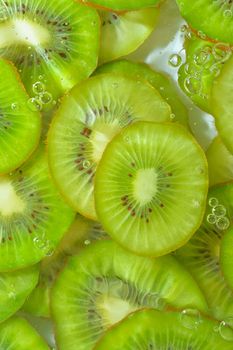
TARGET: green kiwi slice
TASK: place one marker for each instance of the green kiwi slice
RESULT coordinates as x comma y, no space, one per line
88,118
152,330
204,61
158,80
81,233
201,254
121,5
226,256
220,162
127,31
104,283
17,334
15,288
213,18
33,216
222,95
54,44
19,126
144,184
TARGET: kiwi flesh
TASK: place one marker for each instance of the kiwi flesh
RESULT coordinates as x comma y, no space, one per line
201,254
144,184
127,31
152,329
226,256
121,5
54,44
81,233
222,94
104,283
17,334
88,118
158,80
19,126
33,216
212,18
220,162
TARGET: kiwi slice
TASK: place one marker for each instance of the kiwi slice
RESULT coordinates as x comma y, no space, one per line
33,216
81,233
19,126
144,184
127,31
104,283
226,256
211,17
88,118
54,44
201,254
15,288
222,95
17,334
159,81
152,330
220,162
204,61
121,5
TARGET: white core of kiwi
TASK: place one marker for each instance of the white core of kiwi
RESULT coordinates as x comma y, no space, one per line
10,202
145,185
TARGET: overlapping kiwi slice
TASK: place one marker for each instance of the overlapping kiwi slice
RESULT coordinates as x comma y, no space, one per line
204,61
201,254
127,31
104,283
220,162
151,330
33,216
19,126
144,184
17,334
88,118
159,81
226,256
222,95
52,42
211,17
81,233
121,5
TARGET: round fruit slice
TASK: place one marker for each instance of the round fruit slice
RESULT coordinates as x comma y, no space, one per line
15,288
127,31
214,18
54,44
159,81
19,126
33,217
222,107
88,118
17,334
204,61
121,5
226,256
148,197
201,254
81,233
151,329
220,162
104,283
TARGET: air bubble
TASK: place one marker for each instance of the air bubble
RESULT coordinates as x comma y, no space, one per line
126,139
45,98
38,88
223,223
34,104
86,164
201,35
213,202
175,60
201,57
219,210
190,318
192,85
211,219
225,329
227,13
15,106
172,116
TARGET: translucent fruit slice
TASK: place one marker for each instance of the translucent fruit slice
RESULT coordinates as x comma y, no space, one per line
104,283
33,216
81,233
54,44
19,126
159,81
201,254
222,95
220,162
226,257
88,118
127,31
121,5
213,18
151,329
17,334
148,197
15,288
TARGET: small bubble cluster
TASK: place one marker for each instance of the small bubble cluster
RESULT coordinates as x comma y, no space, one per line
41,97
218,214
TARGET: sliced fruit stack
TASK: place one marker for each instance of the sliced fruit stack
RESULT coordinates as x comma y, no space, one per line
114,222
